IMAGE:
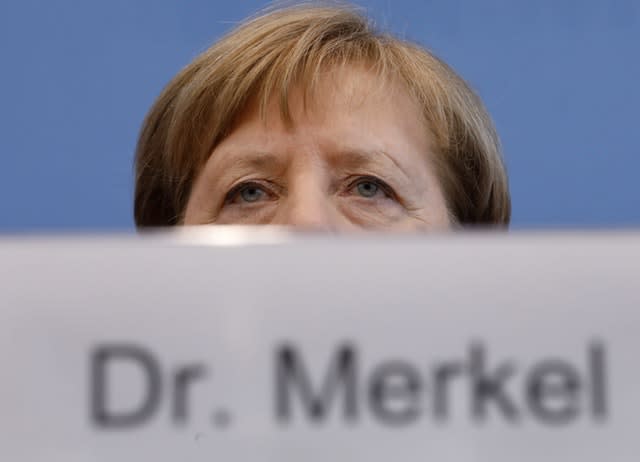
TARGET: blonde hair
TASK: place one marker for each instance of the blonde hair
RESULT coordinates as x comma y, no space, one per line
268,55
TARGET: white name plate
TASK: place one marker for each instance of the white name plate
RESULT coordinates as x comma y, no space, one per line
232,345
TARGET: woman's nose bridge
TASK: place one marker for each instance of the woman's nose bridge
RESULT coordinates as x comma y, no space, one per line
309,204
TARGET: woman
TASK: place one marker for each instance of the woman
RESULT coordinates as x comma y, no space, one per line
307,116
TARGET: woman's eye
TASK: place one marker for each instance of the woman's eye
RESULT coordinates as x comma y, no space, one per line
251,193
370,188
247,193
367,188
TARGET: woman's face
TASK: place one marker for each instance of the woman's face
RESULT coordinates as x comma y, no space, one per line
358,157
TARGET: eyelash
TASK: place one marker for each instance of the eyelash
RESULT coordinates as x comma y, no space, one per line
235,191
268,188
384,187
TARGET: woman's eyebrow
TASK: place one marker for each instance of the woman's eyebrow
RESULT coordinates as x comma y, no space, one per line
236,162
358,158
242,161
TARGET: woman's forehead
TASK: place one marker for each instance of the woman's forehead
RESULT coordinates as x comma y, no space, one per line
349,88
351,113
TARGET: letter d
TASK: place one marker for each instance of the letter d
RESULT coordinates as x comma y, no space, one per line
102,356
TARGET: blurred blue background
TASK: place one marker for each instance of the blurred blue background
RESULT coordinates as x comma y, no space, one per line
560,78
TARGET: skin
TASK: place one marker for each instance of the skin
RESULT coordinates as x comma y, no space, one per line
357,158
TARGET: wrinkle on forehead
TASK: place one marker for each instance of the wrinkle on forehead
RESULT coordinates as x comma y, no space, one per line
341,90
